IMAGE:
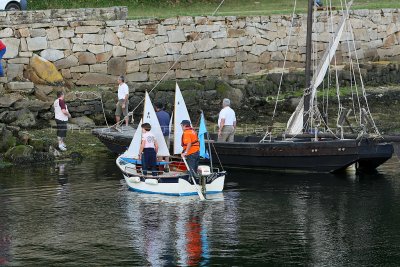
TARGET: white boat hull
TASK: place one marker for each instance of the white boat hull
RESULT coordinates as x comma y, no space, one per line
181,188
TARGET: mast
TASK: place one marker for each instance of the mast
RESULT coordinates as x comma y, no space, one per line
308,65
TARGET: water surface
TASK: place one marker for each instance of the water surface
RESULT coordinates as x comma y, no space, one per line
83,215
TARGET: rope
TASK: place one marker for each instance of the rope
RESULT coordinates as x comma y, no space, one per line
172,66
281,78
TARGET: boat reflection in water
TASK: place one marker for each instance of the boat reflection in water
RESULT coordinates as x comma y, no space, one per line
173,231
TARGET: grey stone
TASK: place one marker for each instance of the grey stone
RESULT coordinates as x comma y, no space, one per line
37,33
43,89
25,87
52,54
128,44
80,68
258,49
9,99
205,44
111,38
117,66
25,120
33,105
19,60
96,79
52,34
99,68
118,51
15,70
93,38
132,66
173,48
215,63
38,43
12,45
87,29
67,62
80,47
137,77
134,36
83,122
96,49
66,33
157,51
143,46
188,48
103,57
133,55
175,36
7,32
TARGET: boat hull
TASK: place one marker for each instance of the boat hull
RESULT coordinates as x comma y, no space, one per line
324,156
372,155
180,187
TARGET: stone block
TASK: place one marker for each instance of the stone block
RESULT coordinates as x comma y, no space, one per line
128,44
9,99
188,48
6,33
19,60
68,62
66,73
157,51
226,52
133,55
226,42
87,29
249,67
23,87
12,45
79,47
96,79
52,34
205,44
38,43
193,64
52,54
77,40
80,68
134,36
118,51
15,70
98,68
160,40
208,28
258,49
38,33
201,55
182,74
96,49
236,32
103,57
173,48
111,38
24,32
137,77
160,67
46,70
93,38
175,36
220,34
25,54
215,63
116,66
164,59
143,46
66,33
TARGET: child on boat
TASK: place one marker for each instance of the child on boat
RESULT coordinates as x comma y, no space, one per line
148,150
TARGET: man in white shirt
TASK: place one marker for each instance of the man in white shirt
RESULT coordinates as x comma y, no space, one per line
226,122
123,100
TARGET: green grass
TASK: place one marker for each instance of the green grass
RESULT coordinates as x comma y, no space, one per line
152,8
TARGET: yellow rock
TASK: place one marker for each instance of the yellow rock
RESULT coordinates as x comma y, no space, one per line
45,70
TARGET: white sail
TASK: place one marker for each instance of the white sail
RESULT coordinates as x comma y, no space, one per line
180,113
133,149
149,116
295,123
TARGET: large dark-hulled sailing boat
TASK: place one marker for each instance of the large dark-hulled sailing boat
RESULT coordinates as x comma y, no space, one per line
307,152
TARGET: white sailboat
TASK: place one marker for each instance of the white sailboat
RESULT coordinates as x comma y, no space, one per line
176,181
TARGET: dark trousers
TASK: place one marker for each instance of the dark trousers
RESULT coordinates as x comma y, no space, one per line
193,162
61,128
149,161
2,52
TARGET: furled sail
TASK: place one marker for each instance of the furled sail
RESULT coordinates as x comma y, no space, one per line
180,113
295,123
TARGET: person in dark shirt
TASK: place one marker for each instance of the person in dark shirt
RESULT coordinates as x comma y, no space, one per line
2,52
163,119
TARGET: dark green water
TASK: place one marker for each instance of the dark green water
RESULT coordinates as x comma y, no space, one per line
85,216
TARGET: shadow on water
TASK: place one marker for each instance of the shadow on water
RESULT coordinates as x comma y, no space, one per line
83,214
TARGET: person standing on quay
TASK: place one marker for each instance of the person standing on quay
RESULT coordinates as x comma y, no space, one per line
226,122
3,50
61,116
123,101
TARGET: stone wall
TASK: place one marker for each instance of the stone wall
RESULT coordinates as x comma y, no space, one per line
92,46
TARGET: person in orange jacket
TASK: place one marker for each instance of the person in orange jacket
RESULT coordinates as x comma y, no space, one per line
191,147
2,52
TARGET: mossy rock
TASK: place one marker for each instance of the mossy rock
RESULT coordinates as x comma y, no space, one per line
7,140
37,144
20,154
223,88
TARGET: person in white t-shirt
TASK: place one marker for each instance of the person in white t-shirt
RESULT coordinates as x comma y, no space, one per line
61,115
148,150
123,100
226,122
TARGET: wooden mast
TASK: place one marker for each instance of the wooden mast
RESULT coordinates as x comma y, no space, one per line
308,65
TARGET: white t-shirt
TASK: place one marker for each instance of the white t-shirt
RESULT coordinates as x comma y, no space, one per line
228,114
149,140
59,115
123,90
